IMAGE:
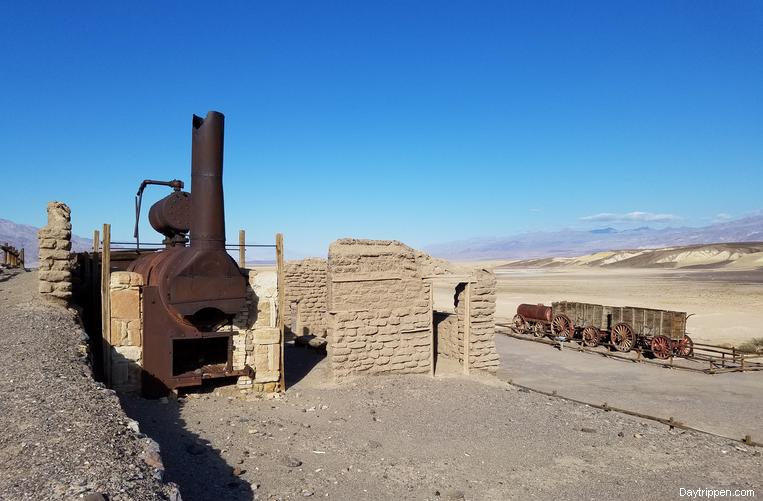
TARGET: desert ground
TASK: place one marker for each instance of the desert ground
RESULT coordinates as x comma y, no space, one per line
452,437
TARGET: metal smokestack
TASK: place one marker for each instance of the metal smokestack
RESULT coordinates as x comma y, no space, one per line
207,212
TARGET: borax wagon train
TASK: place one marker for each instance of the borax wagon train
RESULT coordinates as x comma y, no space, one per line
663,332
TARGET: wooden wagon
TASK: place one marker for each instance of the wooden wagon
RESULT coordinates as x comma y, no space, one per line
661,331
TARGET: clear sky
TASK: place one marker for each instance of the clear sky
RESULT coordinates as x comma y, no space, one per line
420,121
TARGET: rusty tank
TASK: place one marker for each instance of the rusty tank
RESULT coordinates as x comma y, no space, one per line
535,312
192,290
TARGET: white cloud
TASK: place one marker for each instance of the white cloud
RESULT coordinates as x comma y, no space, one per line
636,216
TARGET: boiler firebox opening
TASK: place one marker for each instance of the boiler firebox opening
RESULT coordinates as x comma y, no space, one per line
208,319
189,355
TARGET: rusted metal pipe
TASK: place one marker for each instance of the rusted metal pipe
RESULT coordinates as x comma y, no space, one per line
207,212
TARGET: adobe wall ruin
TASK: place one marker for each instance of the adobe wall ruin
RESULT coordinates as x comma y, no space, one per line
450,327
305,293
55,243
381,316
379,309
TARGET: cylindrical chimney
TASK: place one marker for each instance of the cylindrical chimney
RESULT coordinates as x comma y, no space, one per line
207,212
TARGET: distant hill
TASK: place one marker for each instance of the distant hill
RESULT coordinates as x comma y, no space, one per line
577,242
23,236
729,256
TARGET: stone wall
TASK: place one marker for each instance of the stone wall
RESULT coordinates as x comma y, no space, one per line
379,309
55,242
126,343
305,293
482,351
257,342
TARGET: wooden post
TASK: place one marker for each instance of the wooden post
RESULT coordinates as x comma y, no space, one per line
21,259
433,346
106,303
467,325
241,249
96,241
281,303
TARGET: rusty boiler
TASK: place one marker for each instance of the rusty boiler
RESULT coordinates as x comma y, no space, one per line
192,290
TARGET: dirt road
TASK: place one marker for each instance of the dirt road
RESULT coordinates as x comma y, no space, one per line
726,404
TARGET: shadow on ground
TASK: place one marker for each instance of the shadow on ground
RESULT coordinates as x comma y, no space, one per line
189,460
299,361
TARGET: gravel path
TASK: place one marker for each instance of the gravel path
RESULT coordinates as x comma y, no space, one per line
62,436
420,438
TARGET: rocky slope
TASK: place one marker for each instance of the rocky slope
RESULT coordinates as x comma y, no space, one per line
64,436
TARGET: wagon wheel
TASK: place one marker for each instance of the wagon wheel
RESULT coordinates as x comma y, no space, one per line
520,324
622,337
539,330
661,347
684,347
561,326
591,336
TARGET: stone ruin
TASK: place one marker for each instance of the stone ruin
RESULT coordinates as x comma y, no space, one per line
256,341
372,303
55,242
380,316
305,293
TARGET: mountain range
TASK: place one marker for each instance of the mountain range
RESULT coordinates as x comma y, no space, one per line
529,245
23,236
569,242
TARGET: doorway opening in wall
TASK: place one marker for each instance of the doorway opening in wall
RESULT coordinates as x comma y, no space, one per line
447,342
304,349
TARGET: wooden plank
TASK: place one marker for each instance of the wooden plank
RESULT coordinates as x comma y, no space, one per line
241,249
106,303
281,304
467,325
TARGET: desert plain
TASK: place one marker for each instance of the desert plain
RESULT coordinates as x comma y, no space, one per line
726,307
719,285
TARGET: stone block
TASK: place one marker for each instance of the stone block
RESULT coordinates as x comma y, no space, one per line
266,376
267,335
132,353
54,254
55,276
125,304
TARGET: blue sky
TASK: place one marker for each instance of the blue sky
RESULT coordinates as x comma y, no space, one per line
419,121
